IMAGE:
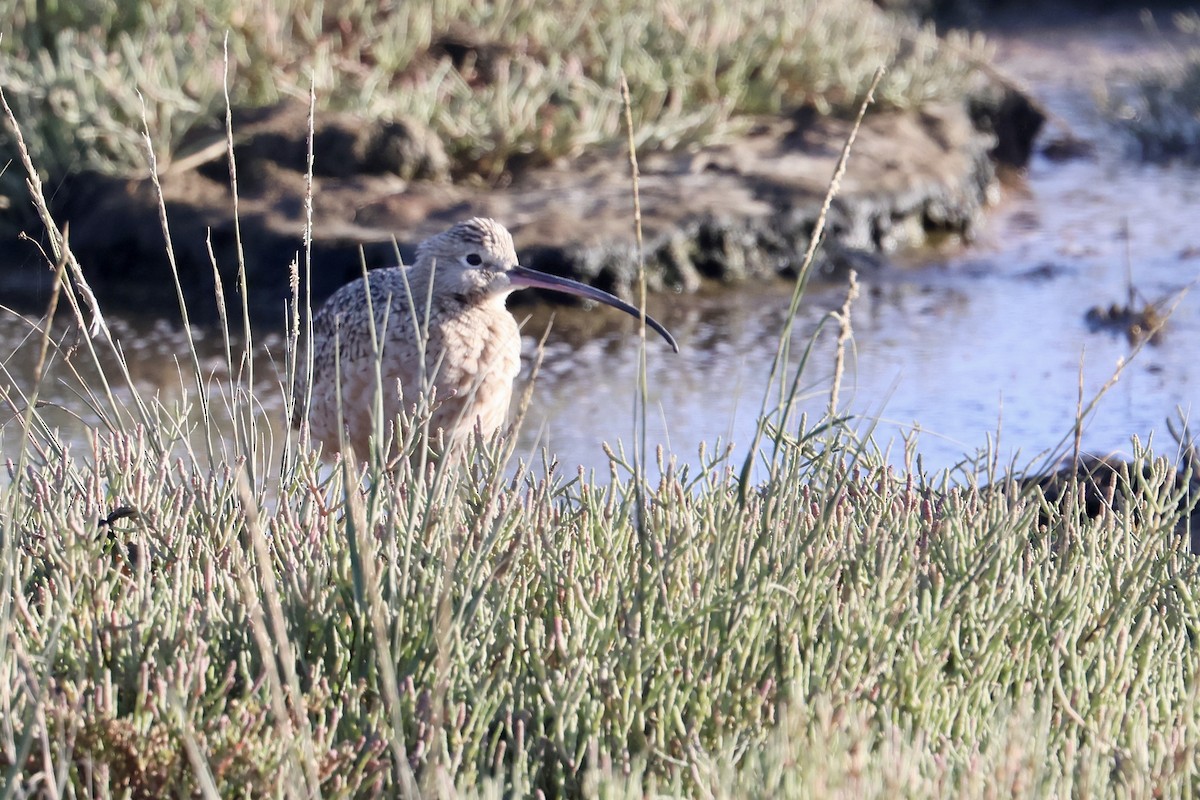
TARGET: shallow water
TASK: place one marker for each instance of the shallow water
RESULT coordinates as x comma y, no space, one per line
981,342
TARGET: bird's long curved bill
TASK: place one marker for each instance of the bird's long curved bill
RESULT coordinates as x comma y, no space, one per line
523,276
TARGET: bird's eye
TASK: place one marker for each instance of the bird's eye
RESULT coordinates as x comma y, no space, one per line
474,259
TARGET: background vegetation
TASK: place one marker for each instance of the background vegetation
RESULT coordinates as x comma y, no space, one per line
496,81
1161,108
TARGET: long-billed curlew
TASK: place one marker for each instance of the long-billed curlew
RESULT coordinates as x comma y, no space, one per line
443,332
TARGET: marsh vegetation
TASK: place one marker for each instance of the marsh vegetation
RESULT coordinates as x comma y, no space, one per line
196,604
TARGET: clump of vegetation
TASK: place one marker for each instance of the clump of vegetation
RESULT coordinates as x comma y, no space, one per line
499,82
844,630
1161,108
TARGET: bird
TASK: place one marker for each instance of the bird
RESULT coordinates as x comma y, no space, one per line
445,338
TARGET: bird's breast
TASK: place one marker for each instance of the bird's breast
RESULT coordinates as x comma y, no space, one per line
478,344
471,359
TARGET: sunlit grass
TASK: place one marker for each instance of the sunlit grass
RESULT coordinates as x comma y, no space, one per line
848,615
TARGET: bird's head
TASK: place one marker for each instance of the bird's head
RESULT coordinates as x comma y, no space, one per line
476,259
476,254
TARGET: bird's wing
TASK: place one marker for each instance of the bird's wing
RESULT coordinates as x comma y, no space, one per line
344,337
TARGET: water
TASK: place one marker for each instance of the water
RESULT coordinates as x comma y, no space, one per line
983,341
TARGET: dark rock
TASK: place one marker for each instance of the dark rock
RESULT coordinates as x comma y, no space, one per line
1013,117
472,52
1105,483
1068,148
344,146
406,149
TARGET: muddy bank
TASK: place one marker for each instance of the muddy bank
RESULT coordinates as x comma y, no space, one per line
735,212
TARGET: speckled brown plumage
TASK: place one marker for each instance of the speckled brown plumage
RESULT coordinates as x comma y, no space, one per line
443,330
471,343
